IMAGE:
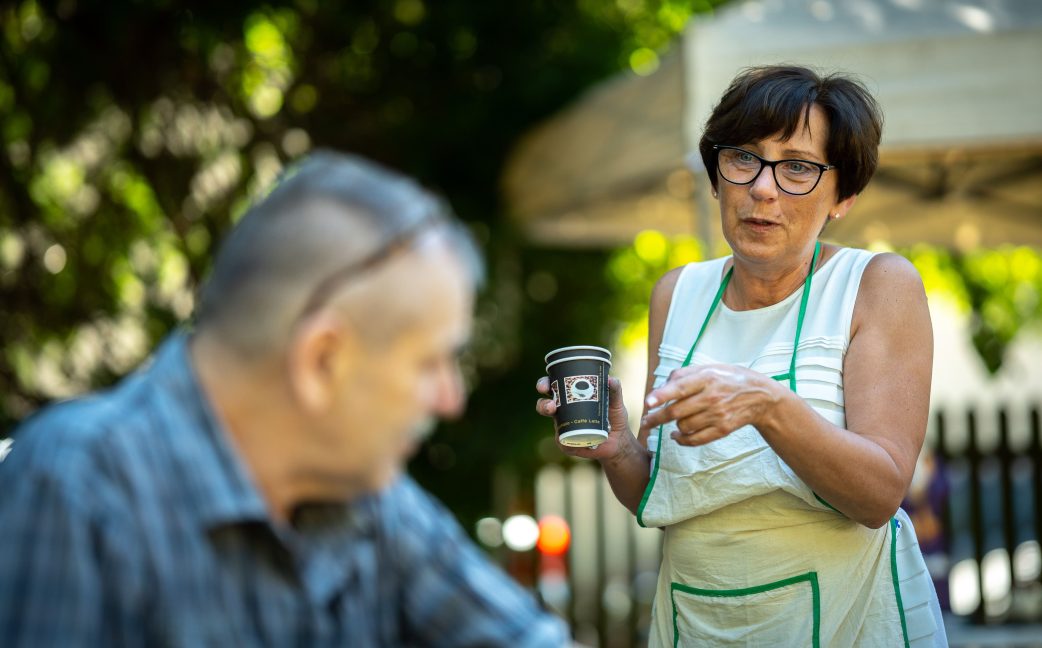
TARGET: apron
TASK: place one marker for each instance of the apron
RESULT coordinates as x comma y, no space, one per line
753,557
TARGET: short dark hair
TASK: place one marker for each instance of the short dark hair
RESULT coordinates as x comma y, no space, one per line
764,101
282,250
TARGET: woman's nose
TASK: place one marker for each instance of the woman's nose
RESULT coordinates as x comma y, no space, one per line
764,185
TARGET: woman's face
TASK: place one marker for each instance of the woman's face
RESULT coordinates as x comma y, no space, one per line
765,225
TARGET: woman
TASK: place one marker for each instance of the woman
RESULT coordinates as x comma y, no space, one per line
787,394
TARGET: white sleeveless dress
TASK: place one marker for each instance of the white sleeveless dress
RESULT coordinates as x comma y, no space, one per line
752,556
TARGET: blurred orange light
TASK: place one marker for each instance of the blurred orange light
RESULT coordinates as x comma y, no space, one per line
554,535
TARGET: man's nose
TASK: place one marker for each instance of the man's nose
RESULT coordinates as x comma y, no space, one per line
449,397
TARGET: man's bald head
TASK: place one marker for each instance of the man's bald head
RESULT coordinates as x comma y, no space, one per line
329,225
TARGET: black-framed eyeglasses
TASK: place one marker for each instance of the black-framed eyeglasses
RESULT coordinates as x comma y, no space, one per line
795,177
397,243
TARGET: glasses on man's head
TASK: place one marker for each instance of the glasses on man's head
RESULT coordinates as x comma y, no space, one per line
795,177
397,243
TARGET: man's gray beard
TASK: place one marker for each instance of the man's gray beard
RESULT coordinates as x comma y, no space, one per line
423,430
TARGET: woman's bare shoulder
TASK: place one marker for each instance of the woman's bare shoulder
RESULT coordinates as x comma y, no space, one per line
890,271
890,286
666,284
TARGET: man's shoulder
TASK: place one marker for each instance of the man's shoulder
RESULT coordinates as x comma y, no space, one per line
451,588
406,497
406,512
65,438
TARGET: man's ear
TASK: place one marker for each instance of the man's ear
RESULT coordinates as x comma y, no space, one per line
317,361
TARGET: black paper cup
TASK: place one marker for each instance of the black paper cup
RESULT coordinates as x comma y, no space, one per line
579,387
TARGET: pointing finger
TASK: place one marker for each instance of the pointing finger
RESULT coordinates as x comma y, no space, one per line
676,388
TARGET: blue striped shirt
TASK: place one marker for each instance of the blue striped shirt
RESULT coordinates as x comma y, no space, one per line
128,520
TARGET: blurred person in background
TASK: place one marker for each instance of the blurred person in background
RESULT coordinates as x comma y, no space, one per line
787,394
244,488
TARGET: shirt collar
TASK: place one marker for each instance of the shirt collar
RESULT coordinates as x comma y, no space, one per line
217,482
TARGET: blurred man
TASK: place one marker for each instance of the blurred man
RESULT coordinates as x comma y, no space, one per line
244,488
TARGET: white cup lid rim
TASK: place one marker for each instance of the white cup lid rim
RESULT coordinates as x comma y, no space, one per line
546,358
594,358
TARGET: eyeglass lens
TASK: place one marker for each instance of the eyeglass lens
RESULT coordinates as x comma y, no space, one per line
742,167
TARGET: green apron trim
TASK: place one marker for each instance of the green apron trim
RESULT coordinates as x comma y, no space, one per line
687,361
651,483
810,577
789,376
897,582
819,498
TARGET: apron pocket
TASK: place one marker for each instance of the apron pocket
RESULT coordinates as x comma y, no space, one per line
785,612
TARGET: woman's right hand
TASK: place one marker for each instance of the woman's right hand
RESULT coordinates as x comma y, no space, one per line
618,421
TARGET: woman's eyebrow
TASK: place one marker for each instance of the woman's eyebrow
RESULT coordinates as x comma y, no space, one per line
807,155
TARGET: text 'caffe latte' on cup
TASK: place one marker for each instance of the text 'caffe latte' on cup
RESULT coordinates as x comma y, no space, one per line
579,387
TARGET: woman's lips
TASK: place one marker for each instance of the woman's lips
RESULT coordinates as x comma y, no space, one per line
760,224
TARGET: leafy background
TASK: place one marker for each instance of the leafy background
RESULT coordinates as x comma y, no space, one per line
134,134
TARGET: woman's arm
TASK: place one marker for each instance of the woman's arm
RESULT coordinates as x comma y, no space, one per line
863,470
624,457
628,472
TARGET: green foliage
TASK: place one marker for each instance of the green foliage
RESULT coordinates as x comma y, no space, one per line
134,134
1001,289
632,272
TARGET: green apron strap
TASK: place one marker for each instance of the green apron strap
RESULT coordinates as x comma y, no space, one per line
691,352
791,375
712,309
802,314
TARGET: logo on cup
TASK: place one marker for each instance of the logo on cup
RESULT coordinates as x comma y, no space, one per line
556,392
580,388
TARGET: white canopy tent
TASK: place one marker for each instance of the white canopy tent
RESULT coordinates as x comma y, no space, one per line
960,83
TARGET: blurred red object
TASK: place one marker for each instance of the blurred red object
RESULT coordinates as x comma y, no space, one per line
554,535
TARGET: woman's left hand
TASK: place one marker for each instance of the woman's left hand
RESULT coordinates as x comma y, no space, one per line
708,402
